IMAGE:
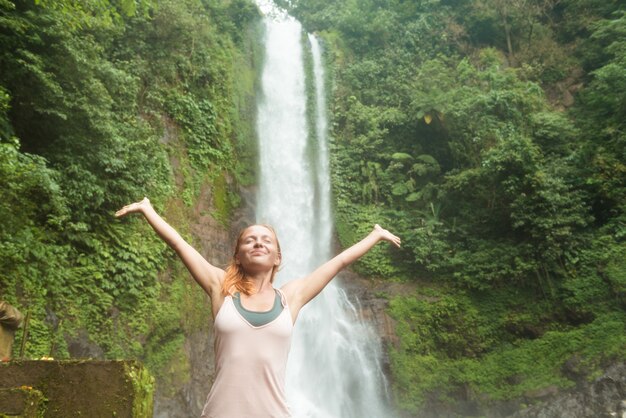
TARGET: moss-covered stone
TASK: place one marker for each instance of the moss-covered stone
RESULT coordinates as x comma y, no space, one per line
82,388
22,402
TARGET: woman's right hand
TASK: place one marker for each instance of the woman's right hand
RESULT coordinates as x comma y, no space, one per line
140,206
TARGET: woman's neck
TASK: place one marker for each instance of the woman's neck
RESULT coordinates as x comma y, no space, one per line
262,282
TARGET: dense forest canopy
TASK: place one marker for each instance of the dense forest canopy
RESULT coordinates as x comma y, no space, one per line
489,134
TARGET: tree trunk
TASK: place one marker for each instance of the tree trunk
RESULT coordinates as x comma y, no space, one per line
509,44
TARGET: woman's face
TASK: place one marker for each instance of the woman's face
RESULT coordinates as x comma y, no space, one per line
258,249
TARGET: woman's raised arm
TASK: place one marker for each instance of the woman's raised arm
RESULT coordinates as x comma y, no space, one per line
208,276
302,291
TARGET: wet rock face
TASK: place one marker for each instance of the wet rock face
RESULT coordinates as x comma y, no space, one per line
605,397
187,399
371,299
81,346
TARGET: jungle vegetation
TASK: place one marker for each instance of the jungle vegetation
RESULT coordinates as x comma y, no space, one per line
488,134
101,103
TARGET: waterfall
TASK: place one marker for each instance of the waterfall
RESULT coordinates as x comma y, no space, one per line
333,369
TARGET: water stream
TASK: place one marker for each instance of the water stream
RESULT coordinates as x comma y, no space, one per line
333,369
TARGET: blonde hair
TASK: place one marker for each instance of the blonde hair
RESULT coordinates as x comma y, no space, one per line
236,276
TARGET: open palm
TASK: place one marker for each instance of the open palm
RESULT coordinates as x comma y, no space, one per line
133,207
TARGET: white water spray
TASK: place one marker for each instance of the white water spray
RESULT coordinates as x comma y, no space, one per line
333,369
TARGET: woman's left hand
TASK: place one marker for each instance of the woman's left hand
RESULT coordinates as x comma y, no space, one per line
387,236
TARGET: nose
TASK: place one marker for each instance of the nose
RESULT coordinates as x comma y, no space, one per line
258,243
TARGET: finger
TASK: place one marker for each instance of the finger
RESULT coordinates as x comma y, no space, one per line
124,210
121,212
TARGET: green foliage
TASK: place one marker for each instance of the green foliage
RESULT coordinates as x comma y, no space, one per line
448,340
534,364
601,113
198,118
89,13
440,322
6,132
223,200
102,103
351,228
143,389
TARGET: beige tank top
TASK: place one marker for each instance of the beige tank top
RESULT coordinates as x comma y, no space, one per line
250,365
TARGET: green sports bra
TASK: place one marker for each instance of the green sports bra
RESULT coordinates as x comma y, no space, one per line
255,318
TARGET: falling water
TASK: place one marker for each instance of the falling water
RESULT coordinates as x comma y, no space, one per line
333,368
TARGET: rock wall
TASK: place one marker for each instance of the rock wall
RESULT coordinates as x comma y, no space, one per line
605,397
365,294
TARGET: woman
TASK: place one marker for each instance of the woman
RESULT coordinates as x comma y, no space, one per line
253,321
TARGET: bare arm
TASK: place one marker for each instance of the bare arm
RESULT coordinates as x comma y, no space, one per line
302,291
208,276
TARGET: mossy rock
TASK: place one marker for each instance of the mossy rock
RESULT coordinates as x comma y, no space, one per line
22,402
83,388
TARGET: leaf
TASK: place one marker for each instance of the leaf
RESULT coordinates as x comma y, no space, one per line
413,197
401,156
399,189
